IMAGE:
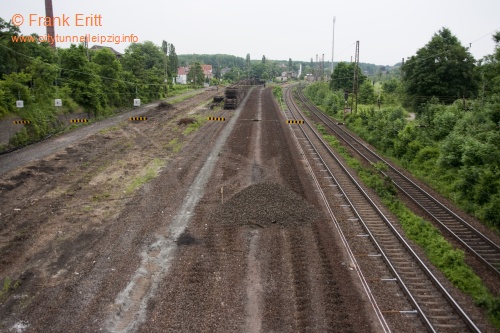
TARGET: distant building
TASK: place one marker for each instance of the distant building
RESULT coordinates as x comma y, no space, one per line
100,47
309,77
207,70
281,78
182,73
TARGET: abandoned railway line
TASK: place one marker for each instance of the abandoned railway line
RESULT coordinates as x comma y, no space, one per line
471,239
250,224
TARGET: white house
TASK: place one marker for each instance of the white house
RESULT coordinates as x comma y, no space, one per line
182,73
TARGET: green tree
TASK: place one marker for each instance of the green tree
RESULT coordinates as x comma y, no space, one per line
443,68
82,78
391,86
111,72
139,57
195,74
343,76
489,70
367,93
146,61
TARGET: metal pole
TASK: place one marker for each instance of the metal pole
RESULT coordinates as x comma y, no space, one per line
355,80
333,43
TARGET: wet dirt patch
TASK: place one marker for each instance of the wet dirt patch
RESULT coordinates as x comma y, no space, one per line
186,239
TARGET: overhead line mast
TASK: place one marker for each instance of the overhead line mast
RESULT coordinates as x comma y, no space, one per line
333,43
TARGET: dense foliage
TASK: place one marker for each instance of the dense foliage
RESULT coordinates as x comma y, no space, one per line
443,69
440,252
342,77
93,81
455,147
451,139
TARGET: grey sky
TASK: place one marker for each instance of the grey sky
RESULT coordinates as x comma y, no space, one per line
387,30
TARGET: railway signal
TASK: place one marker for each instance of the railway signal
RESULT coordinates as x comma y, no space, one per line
216,118
295,122
138,118
78,121
21,122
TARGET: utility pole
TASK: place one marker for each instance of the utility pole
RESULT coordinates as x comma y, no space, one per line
333,43
355,79
322,66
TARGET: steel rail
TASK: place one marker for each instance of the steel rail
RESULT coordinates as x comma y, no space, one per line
460,312
439,208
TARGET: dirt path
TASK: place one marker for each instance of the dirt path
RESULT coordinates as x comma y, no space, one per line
69,223
50,146
265,260
88,248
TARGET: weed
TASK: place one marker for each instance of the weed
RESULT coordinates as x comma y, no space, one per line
109,129
8,287
175,145
100,197
194,126
149,172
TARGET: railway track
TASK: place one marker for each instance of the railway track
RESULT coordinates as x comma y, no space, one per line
362,224
471,239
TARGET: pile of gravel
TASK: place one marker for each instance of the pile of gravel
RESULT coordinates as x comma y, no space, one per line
265,204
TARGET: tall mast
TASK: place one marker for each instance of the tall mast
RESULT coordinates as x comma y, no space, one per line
333,43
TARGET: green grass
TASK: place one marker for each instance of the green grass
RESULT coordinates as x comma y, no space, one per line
100,197
8,286
174,145
200,121
440,252
278,93
110,129
149,172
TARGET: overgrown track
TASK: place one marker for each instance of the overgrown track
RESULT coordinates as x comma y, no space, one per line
438,311
472,240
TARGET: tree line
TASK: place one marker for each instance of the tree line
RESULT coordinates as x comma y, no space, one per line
93,81
454,141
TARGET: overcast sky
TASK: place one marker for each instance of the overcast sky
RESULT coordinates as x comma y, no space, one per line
279,29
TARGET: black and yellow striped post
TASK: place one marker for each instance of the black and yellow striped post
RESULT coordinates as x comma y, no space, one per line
17,122
78,121
216,118
294,121
138,118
